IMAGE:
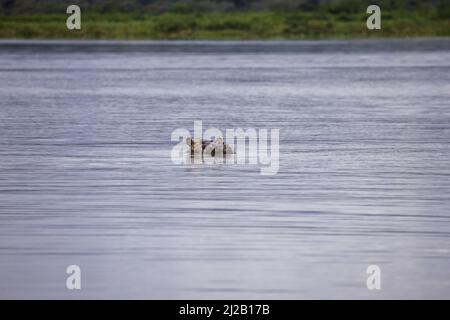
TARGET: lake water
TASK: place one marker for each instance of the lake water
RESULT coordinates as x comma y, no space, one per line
86,176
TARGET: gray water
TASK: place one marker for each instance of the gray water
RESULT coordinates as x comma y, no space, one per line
86,176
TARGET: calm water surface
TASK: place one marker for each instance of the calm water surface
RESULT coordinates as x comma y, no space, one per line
86,176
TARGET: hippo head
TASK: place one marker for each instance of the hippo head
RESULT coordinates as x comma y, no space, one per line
195,144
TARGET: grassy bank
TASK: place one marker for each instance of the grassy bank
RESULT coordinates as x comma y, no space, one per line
233,26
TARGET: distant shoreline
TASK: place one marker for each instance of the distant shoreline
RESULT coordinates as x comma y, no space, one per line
39,41
225,26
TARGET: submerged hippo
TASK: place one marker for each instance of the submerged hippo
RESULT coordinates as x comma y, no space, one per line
208,147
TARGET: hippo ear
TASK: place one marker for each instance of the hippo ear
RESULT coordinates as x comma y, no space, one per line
197,142
189,141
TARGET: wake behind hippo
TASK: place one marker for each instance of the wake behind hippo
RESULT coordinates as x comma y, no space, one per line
208,147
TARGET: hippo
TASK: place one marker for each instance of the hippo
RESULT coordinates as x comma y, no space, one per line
208,147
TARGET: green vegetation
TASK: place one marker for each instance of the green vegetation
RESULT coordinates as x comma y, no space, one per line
223,19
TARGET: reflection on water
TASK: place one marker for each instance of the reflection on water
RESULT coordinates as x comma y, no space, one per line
86,176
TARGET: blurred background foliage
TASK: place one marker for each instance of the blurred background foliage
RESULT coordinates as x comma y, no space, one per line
223,19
